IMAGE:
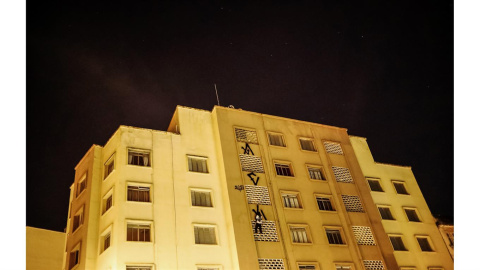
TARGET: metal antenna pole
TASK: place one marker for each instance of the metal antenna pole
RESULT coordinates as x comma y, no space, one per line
216,92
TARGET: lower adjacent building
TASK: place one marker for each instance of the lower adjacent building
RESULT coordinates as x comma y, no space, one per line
232,189
45,249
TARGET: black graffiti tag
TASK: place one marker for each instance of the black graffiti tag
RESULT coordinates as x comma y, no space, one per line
255,182
247,150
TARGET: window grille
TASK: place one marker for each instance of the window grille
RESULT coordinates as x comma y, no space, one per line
363,235
283,169
139,157
276,139
412,215
251,163
334,236
424,244
352,203
342,174
308,145
291,201
385,213
316,173
373,265
333,148
400,188
271,264
299,235
375,185
196,164
257,195
397,243
138,232
269,231
325,204
138,194
205,235
247,136
201,198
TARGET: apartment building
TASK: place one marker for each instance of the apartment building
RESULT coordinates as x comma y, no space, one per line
232,189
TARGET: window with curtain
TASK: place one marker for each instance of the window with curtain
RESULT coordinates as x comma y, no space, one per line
324,204
397,242
197,164
138,194
412,215
400,188
201,198
283,169
106,241
291,201
308,145
375,185
424,244
299,235
139,157
276,139
205,235
316,173
385,213
138,232
109,166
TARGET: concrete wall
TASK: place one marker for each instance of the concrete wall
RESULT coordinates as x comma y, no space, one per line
44,249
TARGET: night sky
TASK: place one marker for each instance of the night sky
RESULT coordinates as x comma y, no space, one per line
382,70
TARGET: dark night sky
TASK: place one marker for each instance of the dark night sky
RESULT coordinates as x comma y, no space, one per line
383,70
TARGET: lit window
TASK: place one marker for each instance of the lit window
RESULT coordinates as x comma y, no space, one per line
375,184
385,212
334,236
106,241
316,173
424,243
77,220
109,166
283,169
397,242
400,187
307,144
201,198
135,267
205,235
138,194
107,201
291,201
138,232
412,214
324,203
82,184
276,139
197,164
299,235
139,157
74,257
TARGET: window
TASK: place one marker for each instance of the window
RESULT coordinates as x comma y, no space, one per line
333,148
139,157
424,243
385,212
352,203
138,232
299,234
363,235
316,173
324,203
307,144
307,267
400,187
201,198
74,257
412,214
343,267
244,135
205,235
334,236
138,194
197,164
276,139
342,174
82,184
374,184
134,267
251,163
283,169
109,166
208,268
373,265
291,201
77,220
107,201
106,241
397,242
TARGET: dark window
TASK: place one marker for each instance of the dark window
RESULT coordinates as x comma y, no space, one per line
307,145
324,204
412,215
108,203
138,232
334,236
400,188
283,169
424,244
109,168
74,258
205,235
375,185
197,165
306,267
106,241
397,243
139,158
385,213
276,139
138,194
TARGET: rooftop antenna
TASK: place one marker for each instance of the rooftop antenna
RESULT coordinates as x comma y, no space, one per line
216,92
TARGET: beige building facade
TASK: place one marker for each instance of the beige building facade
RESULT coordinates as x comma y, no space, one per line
232,189
45,249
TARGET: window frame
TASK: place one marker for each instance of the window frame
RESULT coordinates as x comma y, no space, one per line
194,189
292,193
322,172
390,210
429,241
104,201
284,163
138,184
308,139
307,233
139,223
404,186
139,151
390,235
204,225
197,158
378,180
81,212
342,235
76,248
107,164
405,208
83,179
327,196
282,137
